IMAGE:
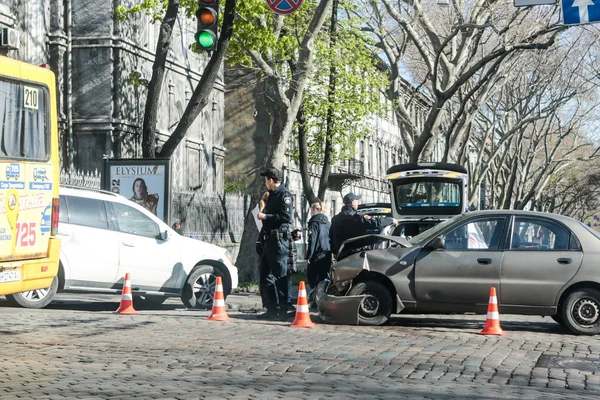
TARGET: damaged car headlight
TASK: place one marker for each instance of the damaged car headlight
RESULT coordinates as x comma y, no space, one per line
342,276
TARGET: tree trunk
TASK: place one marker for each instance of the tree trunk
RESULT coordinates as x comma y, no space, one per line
511,185
158,75
303,158
247,260
326,170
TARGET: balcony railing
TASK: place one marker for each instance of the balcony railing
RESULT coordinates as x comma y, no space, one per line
352,166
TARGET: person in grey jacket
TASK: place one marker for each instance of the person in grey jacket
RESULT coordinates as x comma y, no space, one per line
318,253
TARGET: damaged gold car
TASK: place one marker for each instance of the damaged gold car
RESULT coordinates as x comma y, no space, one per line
540,264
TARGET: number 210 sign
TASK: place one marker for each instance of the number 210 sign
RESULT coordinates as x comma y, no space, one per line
284,7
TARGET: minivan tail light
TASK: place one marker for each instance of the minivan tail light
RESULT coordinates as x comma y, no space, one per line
55,211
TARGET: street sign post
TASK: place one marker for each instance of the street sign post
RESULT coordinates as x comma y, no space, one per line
576,12
284,7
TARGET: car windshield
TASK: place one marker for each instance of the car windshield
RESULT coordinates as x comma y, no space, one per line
592,231
423,193
433,232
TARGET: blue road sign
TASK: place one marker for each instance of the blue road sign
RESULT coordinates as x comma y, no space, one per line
580,11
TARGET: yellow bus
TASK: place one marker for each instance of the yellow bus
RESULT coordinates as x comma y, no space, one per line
29,179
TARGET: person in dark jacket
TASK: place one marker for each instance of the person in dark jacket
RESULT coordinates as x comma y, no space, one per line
318,253
349,223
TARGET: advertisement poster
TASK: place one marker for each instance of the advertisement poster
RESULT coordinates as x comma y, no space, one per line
145,182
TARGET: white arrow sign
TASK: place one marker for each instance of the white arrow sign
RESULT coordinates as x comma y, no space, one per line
583,5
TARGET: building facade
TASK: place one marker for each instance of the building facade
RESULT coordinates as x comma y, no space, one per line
102,67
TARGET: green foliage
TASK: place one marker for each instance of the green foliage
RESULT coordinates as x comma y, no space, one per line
254,31
357,97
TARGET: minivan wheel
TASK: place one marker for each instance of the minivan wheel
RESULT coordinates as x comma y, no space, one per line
199,289
376,307
581,312
39,298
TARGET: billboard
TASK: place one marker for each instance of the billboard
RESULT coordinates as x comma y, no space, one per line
145,182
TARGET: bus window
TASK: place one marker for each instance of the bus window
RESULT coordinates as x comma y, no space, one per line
24,133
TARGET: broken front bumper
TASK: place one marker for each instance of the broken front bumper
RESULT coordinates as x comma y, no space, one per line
337,309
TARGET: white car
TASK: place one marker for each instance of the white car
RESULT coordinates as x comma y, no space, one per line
104,235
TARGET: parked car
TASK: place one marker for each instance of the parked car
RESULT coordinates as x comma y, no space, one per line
104,235
540,264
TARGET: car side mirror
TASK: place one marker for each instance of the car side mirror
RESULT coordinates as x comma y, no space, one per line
164,235
436,244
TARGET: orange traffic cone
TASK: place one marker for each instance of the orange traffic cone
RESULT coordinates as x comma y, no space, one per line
492,322
302,319
218,310
126,306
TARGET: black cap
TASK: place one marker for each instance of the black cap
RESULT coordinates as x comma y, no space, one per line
271,173
350,197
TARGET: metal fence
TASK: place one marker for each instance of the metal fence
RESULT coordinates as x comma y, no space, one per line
92,180
217,219
214,219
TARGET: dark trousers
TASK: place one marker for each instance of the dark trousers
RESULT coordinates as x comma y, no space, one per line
318,269
273,280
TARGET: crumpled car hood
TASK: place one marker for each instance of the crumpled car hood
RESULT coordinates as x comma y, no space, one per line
350,245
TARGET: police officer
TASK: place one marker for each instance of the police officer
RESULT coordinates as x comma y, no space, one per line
275,236
349,223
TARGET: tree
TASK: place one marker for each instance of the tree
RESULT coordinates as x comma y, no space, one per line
532,129
282,49
167,12
344,93
444,51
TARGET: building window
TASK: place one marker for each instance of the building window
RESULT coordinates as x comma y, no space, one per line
370,160
387,159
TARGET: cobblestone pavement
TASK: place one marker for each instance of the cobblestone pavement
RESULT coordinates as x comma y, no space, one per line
65,352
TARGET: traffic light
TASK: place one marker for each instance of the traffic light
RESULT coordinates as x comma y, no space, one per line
208,18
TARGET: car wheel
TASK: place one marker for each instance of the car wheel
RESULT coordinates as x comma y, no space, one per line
39,298
149,301
376,307
581,312
199,289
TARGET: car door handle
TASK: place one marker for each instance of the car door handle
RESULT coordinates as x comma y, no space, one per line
484,261
564,260
127,244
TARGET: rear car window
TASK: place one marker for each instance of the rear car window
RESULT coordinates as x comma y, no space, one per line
63,214
87,212
539,234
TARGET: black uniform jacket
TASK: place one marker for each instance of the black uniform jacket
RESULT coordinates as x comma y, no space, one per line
279,210
349,223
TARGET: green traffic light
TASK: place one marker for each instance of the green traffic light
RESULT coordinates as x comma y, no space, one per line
205,39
